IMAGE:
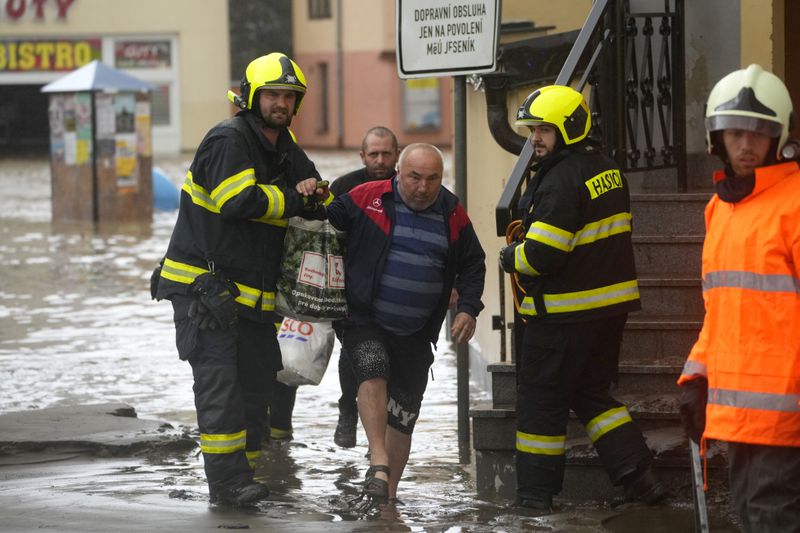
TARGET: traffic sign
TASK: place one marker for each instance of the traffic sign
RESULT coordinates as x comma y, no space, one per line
446,38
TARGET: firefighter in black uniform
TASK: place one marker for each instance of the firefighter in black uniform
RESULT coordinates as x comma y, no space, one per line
247,178
576,268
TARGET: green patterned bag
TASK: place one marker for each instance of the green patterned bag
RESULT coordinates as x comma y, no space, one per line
311,283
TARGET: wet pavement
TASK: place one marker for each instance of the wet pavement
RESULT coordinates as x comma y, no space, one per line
77,327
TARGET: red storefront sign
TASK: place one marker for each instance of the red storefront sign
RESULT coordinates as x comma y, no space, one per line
16,9
142,54
45,55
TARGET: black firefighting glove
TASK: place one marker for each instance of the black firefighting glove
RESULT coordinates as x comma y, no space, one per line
507,257
694,396
214,304
313,208
154,277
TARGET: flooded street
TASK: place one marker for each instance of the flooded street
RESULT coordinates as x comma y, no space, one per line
77,326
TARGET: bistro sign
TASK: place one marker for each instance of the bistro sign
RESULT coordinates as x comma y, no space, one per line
45,55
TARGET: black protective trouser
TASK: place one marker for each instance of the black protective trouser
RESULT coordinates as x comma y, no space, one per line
281,406
233,369
765,487
571,366
348,385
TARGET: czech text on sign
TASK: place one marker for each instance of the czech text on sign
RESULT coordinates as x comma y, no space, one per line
445,37
47,55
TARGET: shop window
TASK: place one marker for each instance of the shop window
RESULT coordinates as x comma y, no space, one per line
159,100
319,9
421,105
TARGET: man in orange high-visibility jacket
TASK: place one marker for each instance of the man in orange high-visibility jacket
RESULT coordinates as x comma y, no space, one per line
741,382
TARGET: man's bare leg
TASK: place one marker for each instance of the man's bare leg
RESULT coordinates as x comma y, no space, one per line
398,447
372,410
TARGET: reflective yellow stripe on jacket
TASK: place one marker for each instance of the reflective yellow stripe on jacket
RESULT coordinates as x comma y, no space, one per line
592,232
521,263
213,201
583,300
185,273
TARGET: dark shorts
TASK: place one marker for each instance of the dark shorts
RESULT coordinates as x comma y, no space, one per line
403,360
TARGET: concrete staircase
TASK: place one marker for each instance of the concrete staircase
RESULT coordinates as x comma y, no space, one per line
667,234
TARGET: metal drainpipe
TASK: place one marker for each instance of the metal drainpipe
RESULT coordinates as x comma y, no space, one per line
460,167
339,78
496,88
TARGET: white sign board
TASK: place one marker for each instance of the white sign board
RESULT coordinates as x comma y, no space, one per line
446,38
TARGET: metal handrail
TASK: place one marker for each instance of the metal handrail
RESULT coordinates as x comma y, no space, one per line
506,209
641,100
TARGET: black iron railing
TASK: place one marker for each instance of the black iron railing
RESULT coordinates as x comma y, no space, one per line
634,65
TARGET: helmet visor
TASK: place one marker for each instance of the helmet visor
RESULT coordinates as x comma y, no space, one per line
738,122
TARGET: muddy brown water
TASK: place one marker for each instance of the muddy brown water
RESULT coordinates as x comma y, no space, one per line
77,326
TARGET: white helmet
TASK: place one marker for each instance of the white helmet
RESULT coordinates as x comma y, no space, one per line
749,99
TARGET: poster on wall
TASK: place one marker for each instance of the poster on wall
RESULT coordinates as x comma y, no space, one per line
421,105
70,136
83,128
125,141
55,112
106,124
144,143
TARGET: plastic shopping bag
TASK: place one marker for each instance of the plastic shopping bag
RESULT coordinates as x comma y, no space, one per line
305,350
311,282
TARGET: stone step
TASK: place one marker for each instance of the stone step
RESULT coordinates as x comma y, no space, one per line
634,378
673,254
659,340
671,295
669,214
665,180
495,428
585,480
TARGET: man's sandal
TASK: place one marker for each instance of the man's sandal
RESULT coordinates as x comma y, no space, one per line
376,488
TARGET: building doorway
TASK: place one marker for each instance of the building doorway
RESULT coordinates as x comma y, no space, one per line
24,128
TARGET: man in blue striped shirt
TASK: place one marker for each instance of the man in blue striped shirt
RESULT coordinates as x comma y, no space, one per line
409,243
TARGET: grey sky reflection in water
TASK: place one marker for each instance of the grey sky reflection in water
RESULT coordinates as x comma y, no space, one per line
77,326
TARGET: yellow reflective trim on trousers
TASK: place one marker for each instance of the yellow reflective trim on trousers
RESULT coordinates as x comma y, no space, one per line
233,185
267,301
223,442
280,434
584,300
276,204
521,263
541,444
605,422
185,273
198,194
180,272
602,229
551,236
252,457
